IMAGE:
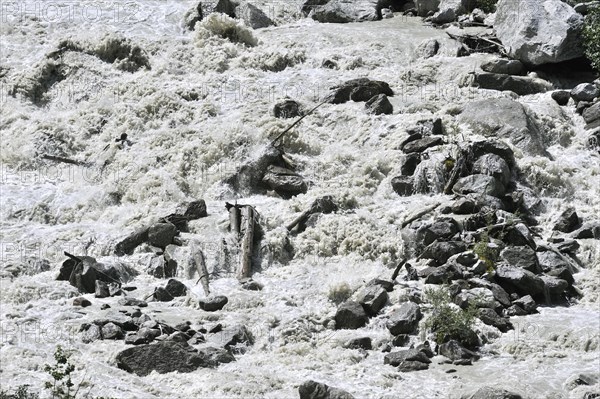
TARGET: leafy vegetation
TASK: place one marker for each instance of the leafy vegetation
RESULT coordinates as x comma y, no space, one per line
482,249
591,36
487,6
448,322
22,392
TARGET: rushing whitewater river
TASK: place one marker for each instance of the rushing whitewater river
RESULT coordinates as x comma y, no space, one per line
201,110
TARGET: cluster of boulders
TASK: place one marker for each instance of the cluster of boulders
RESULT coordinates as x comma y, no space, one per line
246,11
90,276
162,347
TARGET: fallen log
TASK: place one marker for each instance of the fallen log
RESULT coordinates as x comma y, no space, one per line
320,205
199,262
479,44
419,214
457,172
398,268
64,160
280,135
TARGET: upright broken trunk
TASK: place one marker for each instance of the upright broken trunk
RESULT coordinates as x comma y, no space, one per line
247,213
200,264
234,218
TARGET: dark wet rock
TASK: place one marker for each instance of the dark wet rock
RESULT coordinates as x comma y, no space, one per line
350,315
493,165
473,203
479,184
378,105
161,234
591,114
192,16
196,210
359,343
539,32
81,302
568,221
441,229
329,64
427,127
518,235
361,89
316,390
104,290
443,274
561,97
479,297
450,10
522,257
521,85
506,119
213,303
588,230
422,144
524,281
162,295
131,242
287,109
527,304
453,350
492,393
129,301
441,251
373,298
405,319
403,185
83,275
585,92
407,360
168,356
176,288
491,318
284,181
111,331
504,66
234,338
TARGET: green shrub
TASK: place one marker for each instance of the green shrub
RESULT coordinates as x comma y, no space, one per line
591,37
447,322
339,293
61,386
487,6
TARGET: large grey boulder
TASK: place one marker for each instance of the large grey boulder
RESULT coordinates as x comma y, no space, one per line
585,92
317,390
350,315
507,119
479,184
450,10
504,66
492,393
405,319
520,279
169,356
539,31
493,165
343,11
246,11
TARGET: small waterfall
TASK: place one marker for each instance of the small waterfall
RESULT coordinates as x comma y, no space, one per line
429,176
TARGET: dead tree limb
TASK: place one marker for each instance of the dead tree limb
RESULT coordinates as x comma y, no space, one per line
64,160
198,259
398,268
234,218
247,241
280,135
419,214
457,171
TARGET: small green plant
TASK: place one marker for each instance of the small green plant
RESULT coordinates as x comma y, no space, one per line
339,293
61,385
22,392
448,322
487,6
482,249
591,36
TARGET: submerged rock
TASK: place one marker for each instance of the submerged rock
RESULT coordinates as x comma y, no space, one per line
521,85
350,315
379,105
316,390
361,89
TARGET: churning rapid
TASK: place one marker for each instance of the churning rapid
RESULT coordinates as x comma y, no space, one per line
114,114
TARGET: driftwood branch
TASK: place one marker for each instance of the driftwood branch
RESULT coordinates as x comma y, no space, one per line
64,160
75,258
280,135
198,259
419,214
398,268
457,171
320,205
